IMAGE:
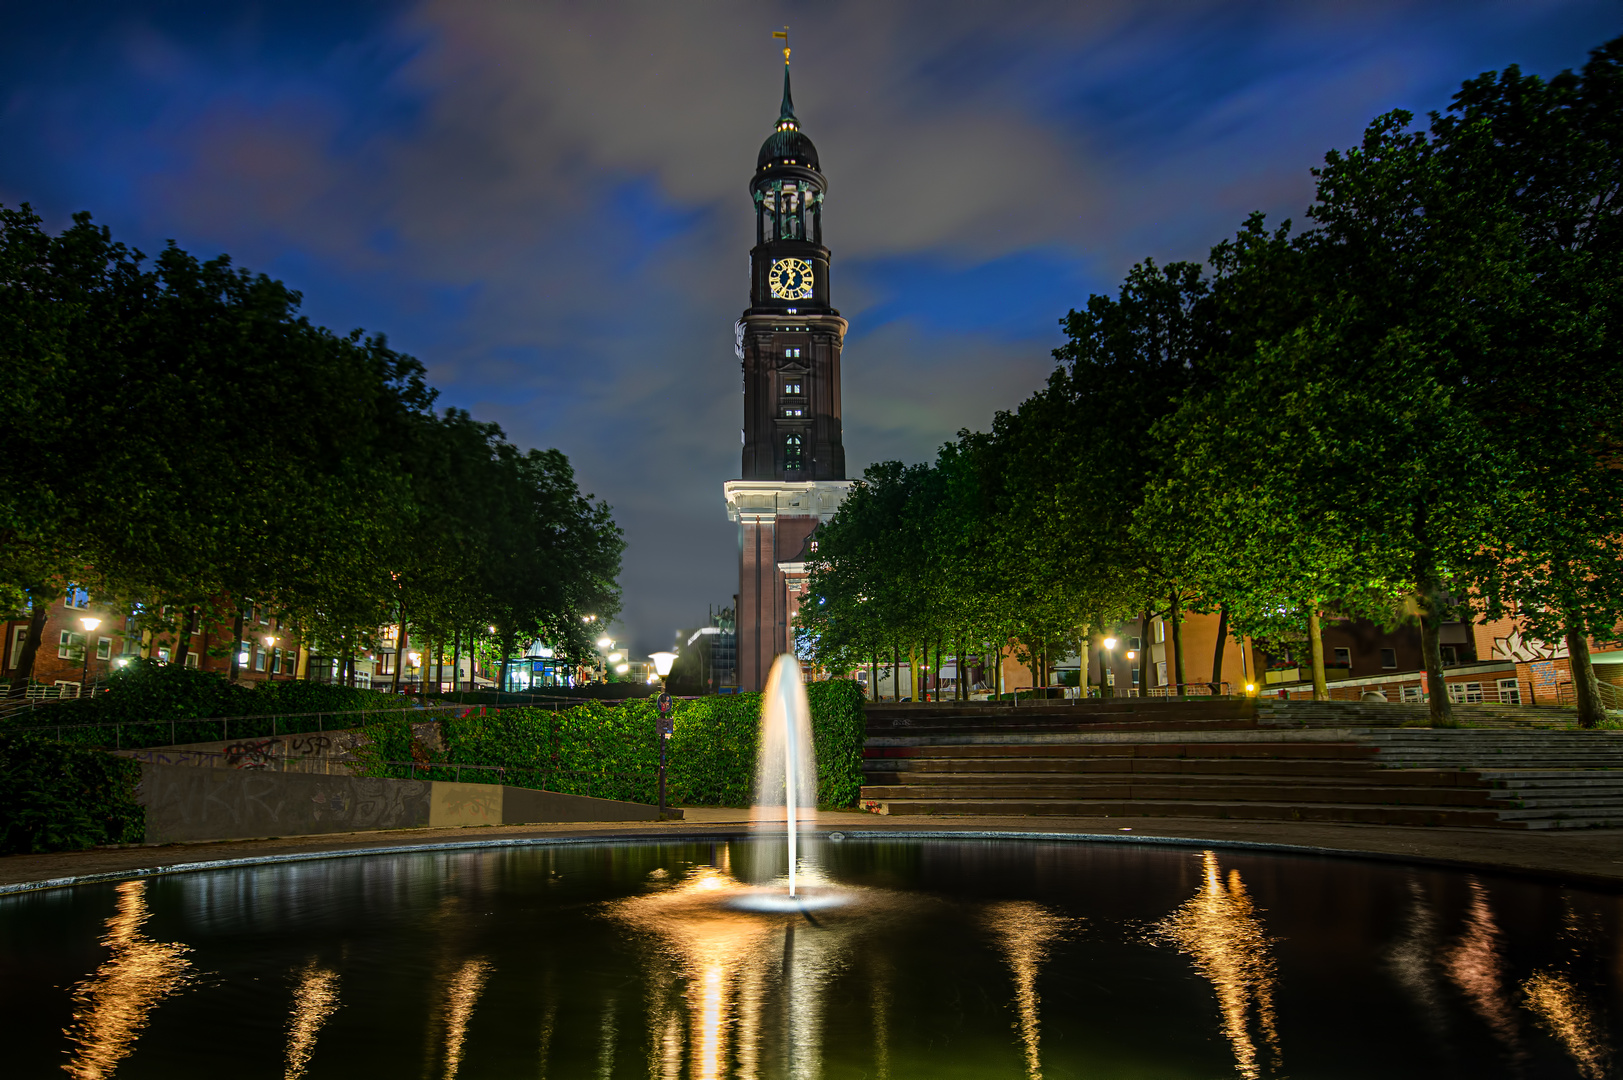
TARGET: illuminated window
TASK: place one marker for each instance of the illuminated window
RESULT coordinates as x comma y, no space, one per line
76,597
104,648
791,388
792,352
67,646
791,452
792,412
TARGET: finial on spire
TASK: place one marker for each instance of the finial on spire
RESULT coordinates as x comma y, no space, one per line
786,113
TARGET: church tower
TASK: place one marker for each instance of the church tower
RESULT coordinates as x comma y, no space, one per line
788,341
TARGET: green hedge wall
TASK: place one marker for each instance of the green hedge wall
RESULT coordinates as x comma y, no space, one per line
611,751
147,695
58,798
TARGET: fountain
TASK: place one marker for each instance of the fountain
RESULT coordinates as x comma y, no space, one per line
786,778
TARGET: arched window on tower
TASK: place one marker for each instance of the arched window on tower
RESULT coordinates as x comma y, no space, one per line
791,453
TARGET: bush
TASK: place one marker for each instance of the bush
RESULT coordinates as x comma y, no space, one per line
57,798
611,751
146,692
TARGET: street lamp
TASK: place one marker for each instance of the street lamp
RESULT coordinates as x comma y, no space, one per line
270,658
1110,665
84,676
663,662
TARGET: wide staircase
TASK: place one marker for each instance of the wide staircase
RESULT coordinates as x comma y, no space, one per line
1212,759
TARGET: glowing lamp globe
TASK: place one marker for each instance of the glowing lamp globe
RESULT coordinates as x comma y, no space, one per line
663,662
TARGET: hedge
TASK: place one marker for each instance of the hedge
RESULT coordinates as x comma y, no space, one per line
146,692
58,798
611,751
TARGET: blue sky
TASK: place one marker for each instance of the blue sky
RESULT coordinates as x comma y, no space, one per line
546,202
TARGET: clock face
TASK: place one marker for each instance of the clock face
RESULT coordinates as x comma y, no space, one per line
791,279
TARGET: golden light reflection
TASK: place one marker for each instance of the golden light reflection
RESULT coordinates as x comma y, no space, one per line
461,996
1024,931
1563,1009
315,999
1475,966
1413,959
1554,996
113,1007
1219,931
748,985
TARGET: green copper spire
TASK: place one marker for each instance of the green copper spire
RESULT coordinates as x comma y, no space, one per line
786,114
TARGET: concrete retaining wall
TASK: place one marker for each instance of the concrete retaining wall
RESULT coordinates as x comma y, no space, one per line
184,802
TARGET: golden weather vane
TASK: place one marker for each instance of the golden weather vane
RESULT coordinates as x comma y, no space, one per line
784,34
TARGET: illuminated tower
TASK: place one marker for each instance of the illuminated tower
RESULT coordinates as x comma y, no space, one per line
788,341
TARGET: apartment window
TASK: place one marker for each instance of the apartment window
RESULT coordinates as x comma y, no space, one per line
264,616
1134,644
792,412
1510,692
1449,656
259,658
19,641
1135,676
386,664
794,353
1465,693
192,660
248,613
1389,658
76,597
104,648
163,654
67,646
1344,658
1160,629
791,388
791,452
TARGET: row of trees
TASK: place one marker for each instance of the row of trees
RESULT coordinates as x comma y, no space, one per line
1411,408
182,443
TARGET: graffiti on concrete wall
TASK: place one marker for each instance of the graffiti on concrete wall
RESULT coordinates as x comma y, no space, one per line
1526,650
187,803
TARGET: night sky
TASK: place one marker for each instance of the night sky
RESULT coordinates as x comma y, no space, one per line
546,202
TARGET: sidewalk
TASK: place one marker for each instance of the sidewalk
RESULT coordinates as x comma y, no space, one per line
1590,857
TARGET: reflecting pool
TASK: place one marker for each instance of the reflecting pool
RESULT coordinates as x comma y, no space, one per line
929,959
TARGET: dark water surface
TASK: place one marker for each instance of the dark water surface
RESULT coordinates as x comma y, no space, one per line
952,959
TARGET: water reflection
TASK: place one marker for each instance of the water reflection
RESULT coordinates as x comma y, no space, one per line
745,994
113,1006
314,1000
461,995
1219,931
1412,959
1023,931
1477,968
1554,994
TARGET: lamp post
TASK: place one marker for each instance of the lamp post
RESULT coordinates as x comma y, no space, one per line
1109,661
662,667
84,675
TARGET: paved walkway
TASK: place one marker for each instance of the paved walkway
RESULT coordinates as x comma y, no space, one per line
1591,857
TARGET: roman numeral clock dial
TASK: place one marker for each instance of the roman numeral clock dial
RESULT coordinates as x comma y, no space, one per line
790,279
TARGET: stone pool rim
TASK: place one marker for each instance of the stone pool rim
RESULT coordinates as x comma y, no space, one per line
1572,879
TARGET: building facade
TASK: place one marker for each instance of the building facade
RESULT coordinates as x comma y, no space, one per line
788,342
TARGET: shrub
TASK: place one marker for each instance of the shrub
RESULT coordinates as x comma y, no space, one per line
612,752
58,798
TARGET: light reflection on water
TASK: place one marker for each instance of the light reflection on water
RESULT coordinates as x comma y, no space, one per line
951,959
1218,929
114,1006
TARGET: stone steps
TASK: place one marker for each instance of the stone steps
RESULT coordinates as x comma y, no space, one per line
1363,814
1294,793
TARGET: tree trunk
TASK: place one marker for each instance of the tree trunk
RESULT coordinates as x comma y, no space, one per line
183,636
456,660
1146,659
1431,652
873,676
400,651
896,672
961,683
439,672
1315,642
39,610
1175,639
1585,687
1217,650
236,645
